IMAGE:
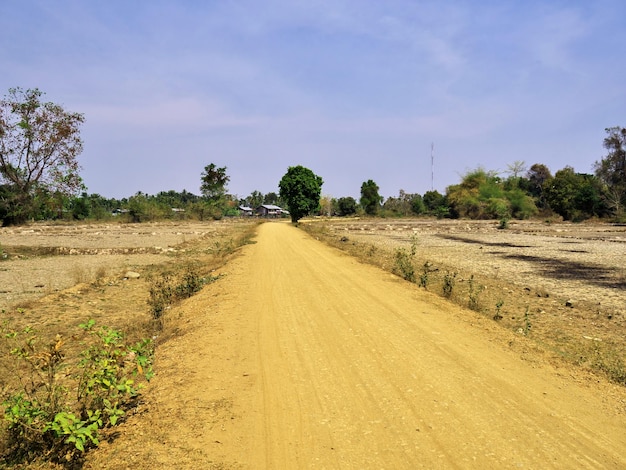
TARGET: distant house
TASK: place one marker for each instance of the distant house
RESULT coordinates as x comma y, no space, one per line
246,211
269,210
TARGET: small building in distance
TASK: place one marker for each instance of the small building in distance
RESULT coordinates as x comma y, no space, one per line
246,211
270,210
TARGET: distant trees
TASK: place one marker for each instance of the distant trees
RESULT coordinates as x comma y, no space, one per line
346,206
435,203
484,195
213,182
370,198
39,147
40,143
272,198
255,199
300,189
575,196
404,205
611,169
535,181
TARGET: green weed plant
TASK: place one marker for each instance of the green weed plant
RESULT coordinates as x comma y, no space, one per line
55,407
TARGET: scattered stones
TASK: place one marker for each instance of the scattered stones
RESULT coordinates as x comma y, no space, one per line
132,275
569,303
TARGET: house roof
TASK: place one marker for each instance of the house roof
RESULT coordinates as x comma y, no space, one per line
245,208
271,207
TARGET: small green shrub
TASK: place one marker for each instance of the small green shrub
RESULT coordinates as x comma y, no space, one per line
527,326
424,276
404,265
55,407
449,281
168,289
498,314
474,293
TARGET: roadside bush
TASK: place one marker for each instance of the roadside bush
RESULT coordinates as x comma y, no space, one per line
404,261
55,407
404,265
168,289
449,281
474,294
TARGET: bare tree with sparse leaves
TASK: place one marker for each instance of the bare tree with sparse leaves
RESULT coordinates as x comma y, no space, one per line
39,147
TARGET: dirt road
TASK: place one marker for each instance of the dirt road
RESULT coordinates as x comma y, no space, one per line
303,358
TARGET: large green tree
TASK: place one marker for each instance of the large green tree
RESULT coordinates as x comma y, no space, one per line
346,206
300,188
370,198
39,147
255,199
612,168
213,182
483,194
536,180
575,196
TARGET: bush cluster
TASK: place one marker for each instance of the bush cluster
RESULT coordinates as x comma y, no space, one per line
57,407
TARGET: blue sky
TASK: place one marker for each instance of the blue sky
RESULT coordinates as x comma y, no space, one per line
353,90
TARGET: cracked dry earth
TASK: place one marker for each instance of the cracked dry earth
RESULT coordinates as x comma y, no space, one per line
301,357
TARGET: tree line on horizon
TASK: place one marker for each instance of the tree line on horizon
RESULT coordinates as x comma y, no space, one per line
39,180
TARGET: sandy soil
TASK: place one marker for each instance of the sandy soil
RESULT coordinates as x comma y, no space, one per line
302,357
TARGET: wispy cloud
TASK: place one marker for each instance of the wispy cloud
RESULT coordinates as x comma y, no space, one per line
342,84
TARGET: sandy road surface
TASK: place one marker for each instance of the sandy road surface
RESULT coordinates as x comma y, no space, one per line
303,358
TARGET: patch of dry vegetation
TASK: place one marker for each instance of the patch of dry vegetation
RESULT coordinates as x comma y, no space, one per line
112,294
560,285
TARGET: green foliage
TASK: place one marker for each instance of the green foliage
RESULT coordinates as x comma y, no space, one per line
168,289
213,182
521,205
474,293
534,183
449,281
404,205
370,198
301,189
611,169
39,146
404,261
404,265
76,431
424,276
272,198
435,203
527,324
484,195
575,196
55,407
346,206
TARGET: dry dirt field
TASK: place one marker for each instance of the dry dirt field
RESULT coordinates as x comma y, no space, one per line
290,362
562,284
42,259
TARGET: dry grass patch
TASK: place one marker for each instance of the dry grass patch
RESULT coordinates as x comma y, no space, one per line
558,284
44,329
